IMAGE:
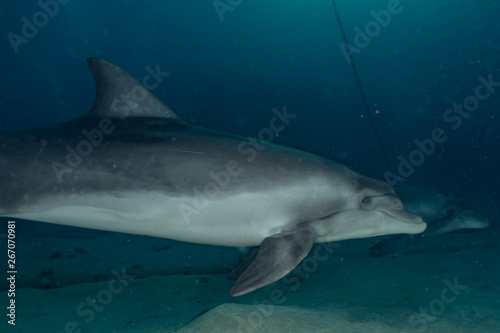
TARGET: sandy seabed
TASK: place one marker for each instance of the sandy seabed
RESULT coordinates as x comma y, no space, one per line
77,280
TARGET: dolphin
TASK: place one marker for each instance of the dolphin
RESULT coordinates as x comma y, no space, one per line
131,165
443,214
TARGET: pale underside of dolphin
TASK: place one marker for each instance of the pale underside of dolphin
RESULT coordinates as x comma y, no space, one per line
130,165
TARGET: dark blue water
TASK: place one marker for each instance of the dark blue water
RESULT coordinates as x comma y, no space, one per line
229,74
230,65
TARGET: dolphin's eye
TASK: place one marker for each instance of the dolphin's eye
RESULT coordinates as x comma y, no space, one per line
366,201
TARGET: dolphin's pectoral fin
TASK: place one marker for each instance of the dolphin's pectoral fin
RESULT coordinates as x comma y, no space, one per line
277,256
242,266
394,245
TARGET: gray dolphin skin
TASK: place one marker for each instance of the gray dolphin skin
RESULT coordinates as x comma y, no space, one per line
131,165
443,214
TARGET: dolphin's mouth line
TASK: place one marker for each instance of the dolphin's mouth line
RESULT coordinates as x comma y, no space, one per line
416,220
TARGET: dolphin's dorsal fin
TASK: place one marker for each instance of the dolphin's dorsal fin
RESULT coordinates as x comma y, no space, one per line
119,95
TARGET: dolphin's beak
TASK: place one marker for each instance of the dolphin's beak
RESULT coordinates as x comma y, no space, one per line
403,215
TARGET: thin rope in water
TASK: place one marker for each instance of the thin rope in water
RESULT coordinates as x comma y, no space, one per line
360,86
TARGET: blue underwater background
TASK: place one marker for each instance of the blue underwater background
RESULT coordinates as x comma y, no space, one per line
230,63
229,74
